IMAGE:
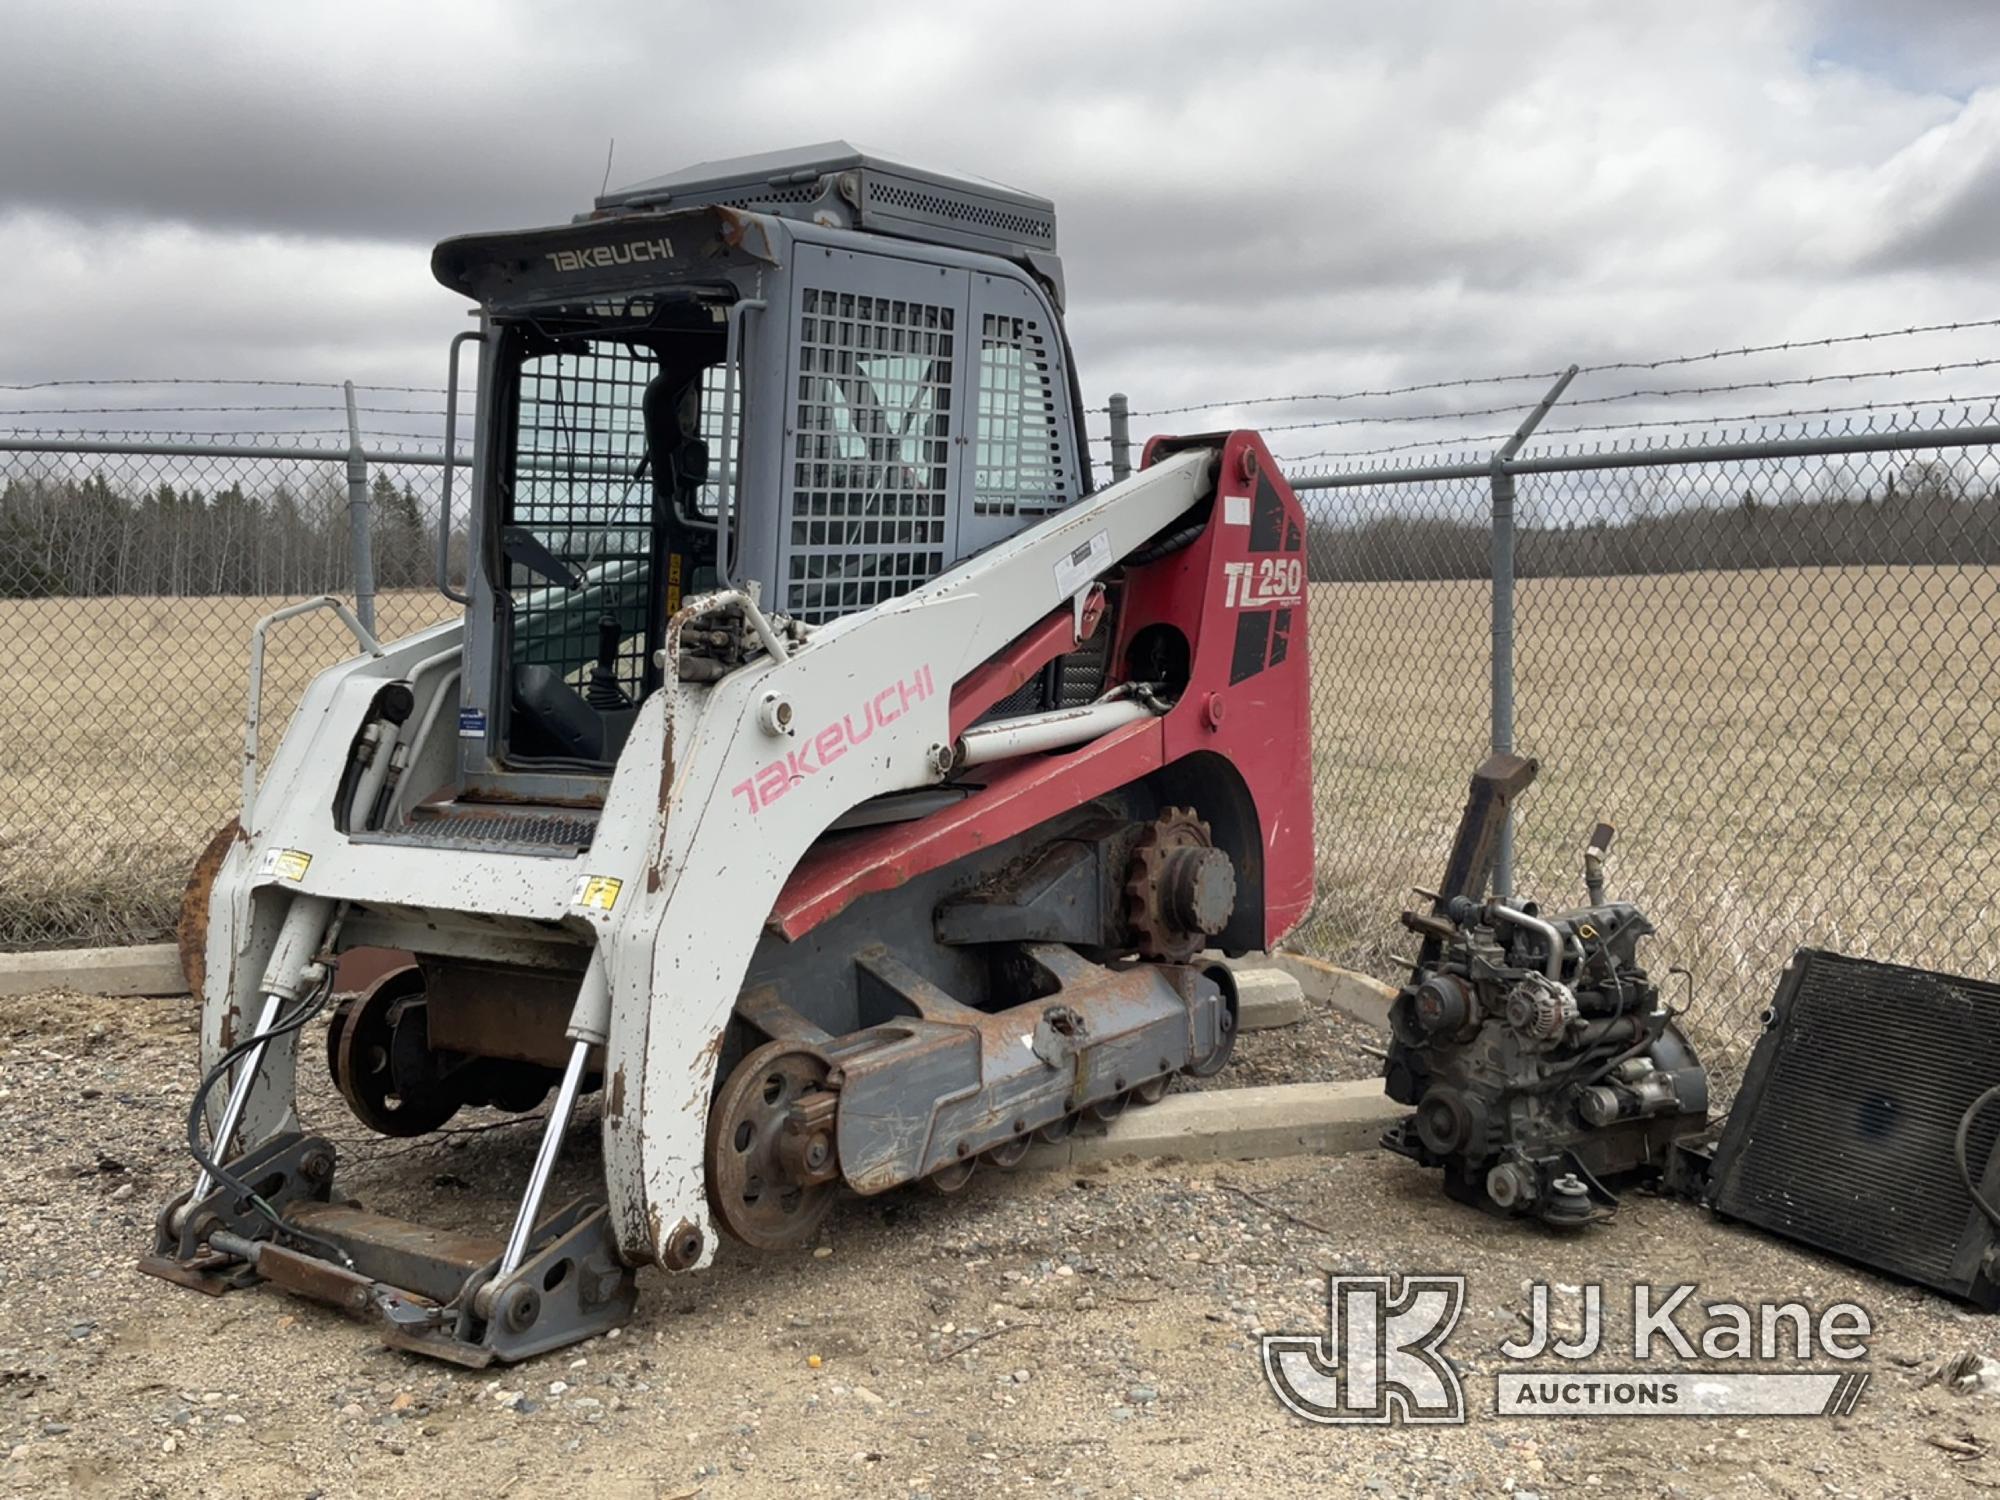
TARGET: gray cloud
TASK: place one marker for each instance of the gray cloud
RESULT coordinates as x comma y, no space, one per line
1289,196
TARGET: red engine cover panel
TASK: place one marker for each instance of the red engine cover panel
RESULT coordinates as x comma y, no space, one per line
1237,593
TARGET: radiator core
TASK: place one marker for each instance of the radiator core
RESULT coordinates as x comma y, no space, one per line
1842,1135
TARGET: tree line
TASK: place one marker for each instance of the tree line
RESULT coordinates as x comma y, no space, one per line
69,534
1925,514
63,535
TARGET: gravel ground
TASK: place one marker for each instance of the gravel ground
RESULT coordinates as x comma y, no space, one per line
1039,1334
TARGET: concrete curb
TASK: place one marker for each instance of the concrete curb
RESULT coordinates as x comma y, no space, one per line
1283,1119
151,969
1266,998
1360,996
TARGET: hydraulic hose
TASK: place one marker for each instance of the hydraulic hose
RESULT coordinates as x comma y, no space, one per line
311,1006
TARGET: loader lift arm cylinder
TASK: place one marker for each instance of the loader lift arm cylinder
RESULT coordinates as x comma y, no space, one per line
289,974
590,1024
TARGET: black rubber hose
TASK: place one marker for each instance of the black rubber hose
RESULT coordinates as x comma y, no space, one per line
312,1006
1958,1151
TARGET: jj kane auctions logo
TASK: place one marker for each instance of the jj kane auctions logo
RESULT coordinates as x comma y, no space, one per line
1381,1359
818,751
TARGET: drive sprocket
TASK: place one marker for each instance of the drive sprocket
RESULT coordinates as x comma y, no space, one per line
1179,888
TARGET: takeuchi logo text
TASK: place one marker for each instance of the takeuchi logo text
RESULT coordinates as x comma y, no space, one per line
818,751
631,252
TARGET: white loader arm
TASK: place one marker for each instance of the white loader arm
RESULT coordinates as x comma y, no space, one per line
731,802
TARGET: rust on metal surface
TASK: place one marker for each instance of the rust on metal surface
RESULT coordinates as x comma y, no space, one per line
683,1247
1094,1008
191,933
309,1276
757,1181
501,1010
501,796
746,232
430,1262
1176,896
361,1043
205,1274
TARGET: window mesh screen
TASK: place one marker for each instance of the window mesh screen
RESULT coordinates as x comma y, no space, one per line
1018,462
579,438
872,454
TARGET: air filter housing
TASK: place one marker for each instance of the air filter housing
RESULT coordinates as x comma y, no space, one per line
1842,1135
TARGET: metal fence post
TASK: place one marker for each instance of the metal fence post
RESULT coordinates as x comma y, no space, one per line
1503,613
1121,437
360,517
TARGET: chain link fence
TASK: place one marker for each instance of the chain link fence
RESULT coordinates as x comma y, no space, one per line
1773,664
130,578
1772,661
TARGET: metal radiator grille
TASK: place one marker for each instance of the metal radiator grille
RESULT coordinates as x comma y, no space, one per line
1842,1136
579,439
1019,467
872,455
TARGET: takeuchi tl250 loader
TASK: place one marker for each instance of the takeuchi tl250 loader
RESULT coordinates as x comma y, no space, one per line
823,771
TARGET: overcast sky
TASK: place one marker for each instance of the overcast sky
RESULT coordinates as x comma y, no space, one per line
1253,198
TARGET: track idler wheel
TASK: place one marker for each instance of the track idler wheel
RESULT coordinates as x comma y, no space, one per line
378,1048
1225,1048
772,1170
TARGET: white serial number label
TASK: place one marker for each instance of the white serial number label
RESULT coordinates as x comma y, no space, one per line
1083,563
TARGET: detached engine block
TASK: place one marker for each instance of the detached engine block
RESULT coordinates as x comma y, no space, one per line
1536,1051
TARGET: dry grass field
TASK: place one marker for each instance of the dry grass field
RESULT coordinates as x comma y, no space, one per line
1796,757
1792,758
123,747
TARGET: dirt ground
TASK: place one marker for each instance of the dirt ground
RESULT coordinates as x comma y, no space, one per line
1089,1335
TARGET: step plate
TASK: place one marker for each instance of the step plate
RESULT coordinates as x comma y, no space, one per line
558,835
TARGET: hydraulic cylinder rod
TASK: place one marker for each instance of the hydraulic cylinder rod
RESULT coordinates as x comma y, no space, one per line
287,976
1050,731
590,1021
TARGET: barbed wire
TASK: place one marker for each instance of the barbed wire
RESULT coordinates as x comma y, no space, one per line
1469,438
1356,395
106,411
1643,394
1790,345
303,385
1785,346
235,434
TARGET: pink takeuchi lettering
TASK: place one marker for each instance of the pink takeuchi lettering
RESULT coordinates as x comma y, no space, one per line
818,751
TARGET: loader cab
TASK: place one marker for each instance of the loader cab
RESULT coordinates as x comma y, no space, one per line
818,373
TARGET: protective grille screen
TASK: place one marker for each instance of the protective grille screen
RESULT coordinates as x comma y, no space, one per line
872,452
579,439
1018,456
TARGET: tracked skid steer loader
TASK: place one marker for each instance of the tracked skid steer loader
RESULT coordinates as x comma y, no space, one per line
822,771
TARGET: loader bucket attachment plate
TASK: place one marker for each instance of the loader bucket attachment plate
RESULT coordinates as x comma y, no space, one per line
429,1291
